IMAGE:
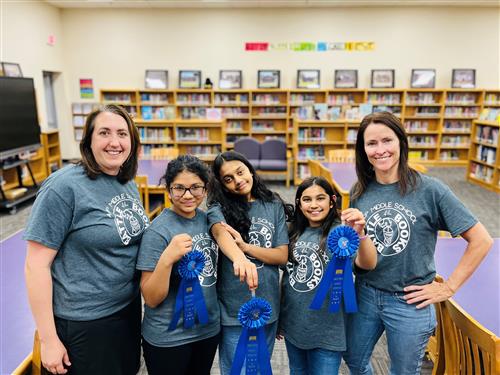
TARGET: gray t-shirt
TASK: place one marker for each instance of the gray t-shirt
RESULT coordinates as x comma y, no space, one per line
305,328
268,230
95,226
404,230
154,242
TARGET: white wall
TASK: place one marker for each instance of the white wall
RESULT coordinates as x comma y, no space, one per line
24,31
115,46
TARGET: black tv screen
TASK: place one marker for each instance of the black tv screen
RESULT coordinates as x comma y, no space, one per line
19,128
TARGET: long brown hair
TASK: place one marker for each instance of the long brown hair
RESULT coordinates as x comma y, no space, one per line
408,177
128,169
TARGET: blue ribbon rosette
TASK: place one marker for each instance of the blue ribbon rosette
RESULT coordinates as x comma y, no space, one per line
190,295
252,345
342,242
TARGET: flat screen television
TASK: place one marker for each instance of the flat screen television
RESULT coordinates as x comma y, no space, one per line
19,128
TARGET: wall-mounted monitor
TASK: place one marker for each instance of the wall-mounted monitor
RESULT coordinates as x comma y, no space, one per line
19,128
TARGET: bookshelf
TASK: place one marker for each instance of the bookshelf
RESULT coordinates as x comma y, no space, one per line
51,150
201,138
79,113
269,114
391,100
126,98
235,108
193,104
484,161
156,105
313,139
422,113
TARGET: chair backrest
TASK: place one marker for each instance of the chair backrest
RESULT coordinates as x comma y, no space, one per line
326,174
341,156
314,167
249,147
418,167
469,347
273,149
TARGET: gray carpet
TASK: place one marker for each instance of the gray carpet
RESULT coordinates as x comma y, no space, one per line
483,203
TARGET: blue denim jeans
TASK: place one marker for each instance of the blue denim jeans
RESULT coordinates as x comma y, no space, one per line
313,361
407,328
229,340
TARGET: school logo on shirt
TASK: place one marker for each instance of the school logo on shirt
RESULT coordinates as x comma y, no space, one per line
306,274
129,216
260,234
389,226
204,243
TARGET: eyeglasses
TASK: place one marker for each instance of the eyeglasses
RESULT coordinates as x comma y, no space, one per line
196,191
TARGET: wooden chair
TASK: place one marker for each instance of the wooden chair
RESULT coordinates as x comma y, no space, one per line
435,347
152,208
469,348
341,156
326,174
418,167
314,167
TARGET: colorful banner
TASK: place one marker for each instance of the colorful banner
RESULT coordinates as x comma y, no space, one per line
86,88
310,46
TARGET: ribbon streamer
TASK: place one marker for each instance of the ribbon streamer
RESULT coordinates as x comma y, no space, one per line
342,242
190,295
252,345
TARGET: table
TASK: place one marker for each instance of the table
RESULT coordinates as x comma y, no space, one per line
343,177
154,169
480,295
16,322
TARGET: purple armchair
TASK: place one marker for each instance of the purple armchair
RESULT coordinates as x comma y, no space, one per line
274,159
250,148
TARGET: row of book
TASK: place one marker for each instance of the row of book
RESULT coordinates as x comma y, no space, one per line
236,99
481,172
386,98
234,112
154,98
450,155
418,155
424,112
155,134
311,135
234,125
456,141
195,98
193,134
490,114
422,140
421,98
457,126
342,99
83,108
268,99
462,98
311,152
461,112
487,134
486,154
417,126
491,99
271,111
263,126
157,113
119,98
302,99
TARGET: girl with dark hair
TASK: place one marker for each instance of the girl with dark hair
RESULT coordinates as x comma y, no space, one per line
249,223
404,211
83,236
178,230
315,340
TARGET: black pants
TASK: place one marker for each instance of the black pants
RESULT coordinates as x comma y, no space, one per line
195,358
107,346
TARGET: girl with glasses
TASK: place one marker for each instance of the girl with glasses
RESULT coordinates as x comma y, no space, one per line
176,232
249,223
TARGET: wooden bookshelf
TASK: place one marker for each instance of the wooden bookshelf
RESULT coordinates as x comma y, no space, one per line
313,139
235,108
484,161
52,151
269,114
126,98
422,113
193,104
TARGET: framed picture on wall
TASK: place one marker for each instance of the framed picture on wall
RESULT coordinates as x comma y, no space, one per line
423,78
346,78
230,79
308,79
190,79
463,78
268,79
156,79
11,69
382,79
